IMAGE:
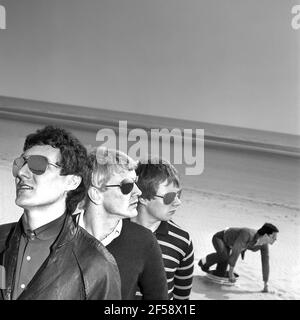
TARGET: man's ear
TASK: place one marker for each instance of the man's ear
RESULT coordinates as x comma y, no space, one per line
73,182
264,238
267,236
95,195
143,201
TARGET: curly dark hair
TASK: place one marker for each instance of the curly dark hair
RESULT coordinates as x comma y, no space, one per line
74,158
152,173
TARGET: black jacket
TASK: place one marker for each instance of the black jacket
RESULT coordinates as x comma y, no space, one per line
79,267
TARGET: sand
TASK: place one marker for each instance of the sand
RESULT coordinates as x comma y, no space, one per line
204,212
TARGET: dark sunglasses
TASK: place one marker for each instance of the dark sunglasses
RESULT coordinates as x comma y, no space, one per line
37,164
126,186
170,196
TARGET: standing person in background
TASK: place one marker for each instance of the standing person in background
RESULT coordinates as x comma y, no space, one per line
160,186
112,200
45,255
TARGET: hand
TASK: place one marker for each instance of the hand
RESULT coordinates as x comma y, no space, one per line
231,275
266,288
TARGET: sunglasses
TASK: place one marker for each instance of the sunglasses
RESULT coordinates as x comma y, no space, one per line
126,186
170,196
37,164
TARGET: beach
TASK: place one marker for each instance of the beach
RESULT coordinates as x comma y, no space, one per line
209,206
204,214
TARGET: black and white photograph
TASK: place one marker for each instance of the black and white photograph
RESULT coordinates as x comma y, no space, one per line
150,150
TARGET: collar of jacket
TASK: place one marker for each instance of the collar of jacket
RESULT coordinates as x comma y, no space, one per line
163,228
253,241
67,233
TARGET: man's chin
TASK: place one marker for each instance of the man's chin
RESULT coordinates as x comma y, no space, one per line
23,206
19,203
129,213
22,203
132,212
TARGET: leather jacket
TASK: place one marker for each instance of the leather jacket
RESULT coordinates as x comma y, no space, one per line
78,267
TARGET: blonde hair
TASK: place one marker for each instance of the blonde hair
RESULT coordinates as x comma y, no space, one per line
106,162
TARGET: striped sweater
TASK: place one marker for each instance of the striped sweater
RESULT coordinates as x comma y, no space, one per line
178,256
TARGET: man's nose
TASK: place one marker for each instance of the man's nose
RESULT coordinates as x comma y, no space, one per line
177,201
24,171
137,190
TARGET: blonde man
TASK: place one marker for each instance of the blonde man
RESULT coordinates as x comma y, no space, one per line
112,200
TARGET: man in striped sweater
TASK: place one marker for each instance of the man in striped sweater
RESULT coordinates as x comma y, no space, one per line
159,182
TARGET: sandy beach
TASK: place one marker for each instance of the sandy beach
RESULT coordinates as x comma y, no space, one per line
204,212
217,82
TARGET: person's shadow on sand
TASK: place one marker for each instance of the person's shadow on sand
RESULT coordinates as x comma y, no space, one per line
202,286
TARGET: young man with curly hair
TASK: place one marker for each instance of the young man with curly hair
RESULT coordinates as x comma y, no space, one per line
47,256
